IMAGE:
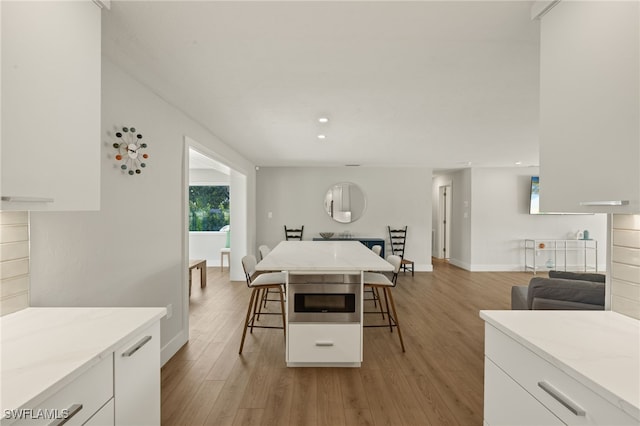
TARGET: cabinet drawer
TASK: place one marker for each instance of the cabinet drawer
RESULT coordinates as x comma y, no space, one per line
535,374
104,417
509,403
324,343
91,390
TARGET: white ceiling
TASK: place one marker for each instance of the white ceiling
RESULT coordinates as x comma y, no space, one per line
426,83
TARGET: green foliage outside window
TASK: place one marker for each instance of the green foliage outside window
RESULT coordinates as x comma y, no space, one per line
208,208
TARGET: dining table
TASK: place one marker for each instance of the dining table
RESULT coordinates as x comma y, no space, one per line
318,342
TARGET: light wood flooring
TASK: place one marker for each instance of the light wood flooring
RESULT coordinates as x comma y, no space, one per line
437,381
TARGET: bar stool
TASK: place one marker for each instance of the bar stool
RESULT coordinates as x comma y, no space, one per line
262,282
375,294
380,281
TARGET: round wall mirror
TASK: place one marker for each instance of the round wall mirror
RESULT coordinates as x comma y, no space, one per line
344,202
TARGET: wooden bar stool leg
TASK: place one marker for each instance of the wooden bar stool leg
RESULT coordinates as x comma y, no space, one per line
395,316
284,324
377,293
246,321
256,302
386,301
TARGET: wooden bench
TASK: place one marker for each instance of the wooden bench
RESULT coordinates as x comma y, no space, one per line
198,264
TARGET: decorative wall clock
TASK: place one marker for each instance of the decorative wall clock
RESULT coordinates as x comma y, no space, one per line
130,153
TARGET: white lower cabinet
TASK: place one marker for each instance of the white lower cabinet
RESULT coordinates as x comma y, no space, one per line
137,379
104,417
77,401
324,343
519,383
77,366
521,408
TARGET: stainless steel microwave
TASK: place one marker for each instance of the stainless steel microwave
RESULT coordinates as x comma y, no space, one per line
325,302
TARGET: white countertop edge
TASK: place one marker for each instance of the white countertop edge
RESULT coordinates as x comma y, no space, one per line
43,394
627,406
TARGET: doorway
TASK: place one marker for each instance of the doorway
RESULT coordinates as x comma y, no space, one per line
222,171
444,222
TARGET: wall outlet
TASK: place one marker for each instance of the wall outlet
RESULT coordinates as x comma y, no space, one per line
169,310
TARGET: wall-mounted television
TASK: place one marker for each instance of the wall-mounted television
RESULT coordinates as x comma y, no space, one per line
534,195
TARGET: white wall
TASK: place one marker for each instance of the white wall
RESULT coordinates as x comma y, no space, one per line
130,253
207,245
496,204
207,177
394,196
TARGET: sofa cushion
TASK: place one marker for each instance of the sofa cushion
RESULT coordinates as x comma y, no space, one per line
582,276
519,297
560,289
564,305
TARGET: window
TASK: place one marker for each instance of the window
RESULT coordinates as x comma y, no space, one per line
208,208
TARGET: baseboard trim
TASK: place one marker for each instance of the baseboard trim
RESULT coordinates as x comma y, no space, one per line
171,348
424,267
460,264
496,268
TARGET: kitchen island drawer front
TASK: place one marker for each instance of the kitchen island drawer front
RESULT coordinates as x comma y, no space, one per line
322,343
520,410
570,400
79,400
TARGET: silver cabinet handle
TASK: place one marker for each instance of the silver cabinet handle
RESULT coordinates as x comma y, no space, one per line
71,411
324,343
562,399
27,199
605,203
137,346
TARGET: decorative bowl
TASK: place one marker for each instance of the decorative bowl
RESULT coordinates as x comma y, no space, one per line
326,235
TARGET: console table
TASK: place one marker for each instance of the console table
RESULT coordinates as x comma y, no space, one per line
369,242
556,254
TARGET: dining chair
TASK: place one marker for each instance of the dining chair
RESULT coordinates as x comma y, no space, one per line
398,239
381,281
293,233
259,284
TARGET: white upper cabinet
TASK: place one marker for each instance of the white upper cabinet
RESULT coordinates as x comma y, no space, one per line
50,150
590,107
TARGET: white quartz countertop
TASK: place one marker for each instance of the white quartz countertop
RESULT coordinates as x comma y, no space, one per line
600,349
323,256
43,349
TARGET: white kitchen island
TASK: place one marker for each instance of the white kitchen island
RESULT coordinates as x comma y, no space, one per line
95,366
318,342
561,367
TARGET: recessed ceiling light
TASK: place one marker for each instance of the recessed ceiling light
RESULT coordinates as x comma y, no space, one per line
518,163
323,119
321,137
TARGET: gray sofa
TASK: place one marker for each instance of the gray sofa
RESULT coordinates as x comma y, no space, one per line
562,291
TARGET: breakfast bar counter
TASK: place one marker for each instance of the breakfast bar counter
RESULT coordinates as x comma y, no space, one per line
324,315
